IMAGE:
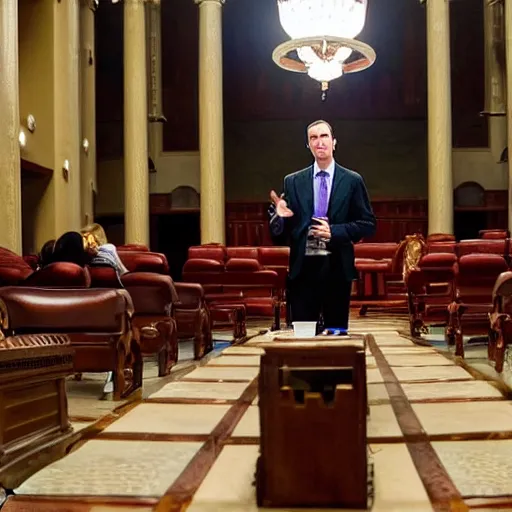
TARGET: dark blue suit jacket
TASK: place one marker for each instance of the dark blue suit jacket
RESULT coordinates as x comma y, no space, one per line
350,216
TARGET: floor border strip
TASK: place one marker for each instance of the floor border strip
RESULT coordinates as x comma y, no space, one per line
183,489
440,488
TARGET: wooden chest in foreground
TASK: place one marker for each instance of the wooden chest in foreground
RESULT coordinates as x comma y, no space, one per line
313,413
33,403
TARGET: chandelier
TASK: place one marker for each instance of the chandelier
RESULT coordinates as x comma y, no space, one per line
322,34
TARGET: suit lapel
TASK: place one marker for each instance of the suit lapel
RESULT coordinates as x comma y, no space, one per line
304,189
338,192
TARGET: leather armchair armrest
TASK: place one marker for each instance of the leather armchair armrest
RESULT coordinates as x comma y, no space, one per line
224,297
190,295
150,292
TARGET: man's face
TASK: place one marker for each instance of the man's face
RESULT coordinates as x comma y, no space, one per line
321,142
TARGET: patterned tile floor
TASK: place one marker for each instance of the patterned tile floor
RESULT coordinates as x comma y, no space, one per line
441,439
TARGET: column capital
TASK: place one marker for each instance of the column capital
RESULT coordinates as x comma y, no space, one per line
200,2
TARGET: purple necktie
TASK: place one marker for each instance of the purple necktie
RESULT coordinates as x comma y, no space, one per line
322,202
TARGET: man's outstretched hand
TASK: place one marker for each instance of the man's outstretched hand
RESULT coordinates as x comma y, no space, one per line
281,207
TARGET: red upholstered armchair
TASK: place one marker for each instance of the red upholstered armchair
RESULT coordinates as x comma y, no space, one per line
475,279
59,275
190,301
144,261
440,237
484,246
380,282
207,252
430,290
153,296
496,234
98,323
153,323
133,247
500,335
13,268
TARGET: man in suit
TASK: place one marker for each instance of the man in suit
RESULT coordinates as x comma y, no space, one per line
333,200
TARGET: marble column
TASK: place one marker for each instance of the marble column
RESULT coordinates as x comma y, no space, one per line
211,124
66,80
508,46
440,181
136,180
156,117
88,111
10,189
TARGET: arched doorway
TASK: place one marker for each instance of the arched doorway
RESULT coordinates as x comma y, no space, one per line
180,228
470,210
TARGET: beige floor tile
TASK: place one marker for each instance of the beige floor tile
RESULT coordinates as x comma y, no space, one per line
223,374
406,349
431,373
377,392
449,390
478,468
384,340
228,487
373,375
170,419
241,349
235,361
113,468
370,362
202,390
382,422
249,425
418,360
464,417
80,425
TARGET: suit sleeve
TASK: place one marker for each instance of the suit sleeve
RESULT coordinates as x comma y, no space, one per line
279,225
361,222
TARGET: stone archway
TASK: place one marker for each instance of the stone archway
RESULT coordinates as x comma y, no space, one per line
185,197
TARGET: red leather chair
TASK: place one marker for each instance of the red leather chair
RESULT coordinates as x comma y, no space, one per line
133,247
500,335
207,252
430,290
469,312
483,246
144,261
153,296
153,323
59,275
98,323
13,268
496,234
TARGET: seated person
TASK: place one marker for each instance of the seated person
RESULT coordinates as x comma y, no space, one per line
102,253
46,254
70,247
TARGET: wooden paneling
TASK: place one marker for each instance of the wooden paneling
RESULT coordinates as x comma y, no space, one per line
247,222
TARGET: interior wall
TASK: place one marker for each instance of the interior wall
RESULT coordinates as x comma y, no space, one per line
390,155
379,115
36,78
36,85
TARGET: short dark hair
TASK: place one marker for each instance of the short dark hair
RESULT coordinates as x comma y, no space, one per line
316,123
